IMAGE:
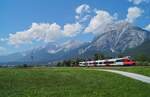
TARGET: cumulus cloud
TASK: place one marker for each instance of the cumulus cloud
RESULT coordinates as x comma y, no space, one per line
38,32
98,23
72,29
133,14
136,2
77,17
147,27
104,21
82,8
82,12
44,32
47,32
82,19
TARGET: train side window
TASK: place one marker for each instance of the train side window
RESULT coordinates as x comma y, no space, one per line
108,62
119,60
100,63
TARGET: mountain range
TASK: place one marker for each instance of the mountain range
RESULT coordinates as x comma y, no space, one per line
120,38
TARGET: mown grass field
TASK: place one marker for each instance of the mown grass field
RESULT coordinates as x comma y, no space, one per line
68,82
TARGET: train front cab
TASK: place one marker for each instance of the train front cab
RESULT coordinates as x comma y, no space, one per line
129,62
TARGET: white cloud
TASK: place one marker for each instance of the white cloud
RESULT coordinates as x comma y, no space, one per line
44,32
77,17
82,12
38,32
47,32
98,23
83,8
136,2
147,27
133,14
72,29
82,19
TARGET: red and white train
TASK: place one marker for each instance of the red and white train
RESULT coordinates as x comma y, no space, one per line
125,61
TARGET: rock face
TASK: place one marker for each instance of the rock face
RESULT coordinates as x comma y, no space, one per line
143,49
118,38
123,36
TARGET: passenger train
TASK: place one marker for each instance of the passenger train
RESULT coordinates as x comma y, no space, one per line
125,61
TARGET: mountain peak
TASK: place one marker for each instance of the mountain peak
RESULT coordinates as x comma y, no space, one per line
119,37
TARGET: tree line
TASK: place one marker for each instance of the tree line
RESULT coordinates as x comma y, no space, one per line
75,61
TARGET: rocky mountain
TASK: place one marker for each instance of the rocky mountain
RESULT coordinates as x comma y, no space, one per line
143,49
119,38
122,37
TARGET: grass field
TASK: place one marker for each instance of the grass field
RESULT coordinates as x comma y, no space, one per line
68,82
145,70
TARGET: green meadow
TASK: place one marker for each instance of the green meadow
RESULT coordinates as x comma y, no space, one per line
68,82
144,70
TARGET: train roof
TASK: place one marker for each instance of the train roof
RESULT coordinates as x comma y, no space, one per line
113,59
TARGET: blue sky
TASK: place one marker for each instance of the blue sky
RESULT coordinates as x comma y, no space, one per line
19,15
